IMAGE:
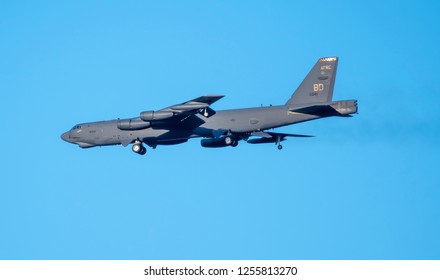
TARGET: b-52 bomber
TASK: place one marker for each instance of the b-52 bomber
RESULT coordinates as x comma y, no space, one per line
195,118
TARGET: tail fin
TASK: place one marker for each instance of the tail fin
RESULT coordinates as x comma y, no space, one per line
317,87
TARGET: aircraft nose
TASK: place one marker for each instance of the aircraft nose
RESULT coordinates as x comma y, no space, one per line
65,136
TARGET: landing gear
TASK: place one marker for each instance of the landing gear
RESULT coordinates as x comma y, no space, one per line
229,140
138,148
143,151
278,142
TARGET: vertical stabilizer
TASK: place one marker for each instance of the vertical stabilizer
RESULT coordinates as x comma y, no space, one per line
317,87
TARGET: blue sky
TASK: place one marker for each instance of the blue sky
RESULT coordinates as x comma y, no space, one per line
366,187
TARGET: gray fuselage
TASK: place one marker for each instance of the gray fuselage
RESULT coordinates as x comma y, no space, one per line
238,121
195,118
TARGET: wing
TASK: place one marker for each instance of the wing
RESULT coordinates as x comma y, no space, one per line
194,106
181,111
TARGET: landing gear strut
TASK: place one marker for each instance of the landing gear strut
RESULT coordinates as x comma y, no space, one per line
138,148
278,142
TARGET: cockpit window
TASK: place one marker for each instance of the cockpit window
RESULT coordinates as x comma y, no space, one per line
76,127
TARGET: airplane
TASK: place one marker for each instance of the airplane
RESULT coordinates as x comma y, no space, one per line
178,123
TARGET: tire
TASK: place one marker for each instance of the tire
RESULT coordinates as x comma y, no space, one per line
143,151
136,148
280,147
228,140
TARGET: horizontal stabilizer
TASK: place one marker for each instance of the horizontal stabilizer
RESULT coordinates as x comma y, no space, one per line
264,134
311,110
271,137
338,108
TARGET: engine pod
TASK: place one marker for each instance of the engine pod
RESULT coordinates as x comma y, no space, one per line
132,124
155,116
222,141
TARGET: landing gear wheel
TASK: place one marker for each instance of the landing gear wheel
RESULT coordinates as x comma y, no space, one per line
137,148
280,147
143,151
228,140
234,143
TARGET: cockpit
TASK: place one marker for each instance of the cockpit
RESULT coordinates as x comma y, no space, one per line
76,127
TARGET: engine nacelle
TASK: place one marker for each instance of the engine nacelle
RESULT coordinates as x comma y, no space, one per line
155,116
132,124
222,141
